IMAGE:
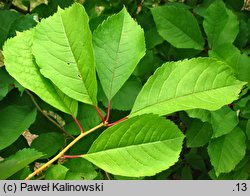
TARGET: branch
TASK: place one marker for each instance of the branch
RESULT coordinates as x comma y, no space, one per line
43,167
50,119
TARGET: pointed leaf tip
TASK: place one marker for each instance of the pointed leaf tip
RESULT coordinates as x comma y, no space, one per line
64,53
119,45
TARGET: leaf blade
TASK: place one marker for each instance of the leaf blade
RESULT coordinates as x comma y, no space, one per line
119,45
227,151
14,121
21,65
170,25
188,84
18,161
122,149
64,53
220,24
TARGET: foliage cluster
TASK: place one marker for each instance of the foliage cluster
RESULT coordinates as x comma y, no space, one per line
106,89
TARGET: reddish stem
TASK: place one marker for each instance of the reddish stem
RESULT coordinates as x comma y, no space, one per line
78,124
108,112
116,122
100,114
72,156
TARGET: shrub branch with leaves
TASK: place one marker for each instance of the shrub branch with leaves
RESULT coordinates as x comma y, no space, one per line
76,75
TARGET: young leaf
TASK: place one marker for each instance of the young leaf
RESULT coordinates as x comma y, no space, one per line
18,161
203,83
227,151
14,120
220,24
140,146
63,51
119,45
21,65
239,61
178,26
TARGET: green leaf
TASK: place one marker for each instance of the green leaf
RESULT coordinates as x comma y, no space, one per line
44,10
198,134
239,61
119,45
63,51
140,146
178,26
21,65
203,115
243,35
21,175
125,97
186,173
87,116
5,83
14,120
220,24
203,83
148,64
48,143
227,151
248,129
196,161
80,169
18,161
23,23
56,172
223,121
237,175
7,18
152,38
19,144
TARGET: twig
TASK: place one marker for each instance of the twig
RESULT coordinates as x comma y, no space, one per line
108,112
116,122
107,175
100,114
78,124
50,119
72,156
63,151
